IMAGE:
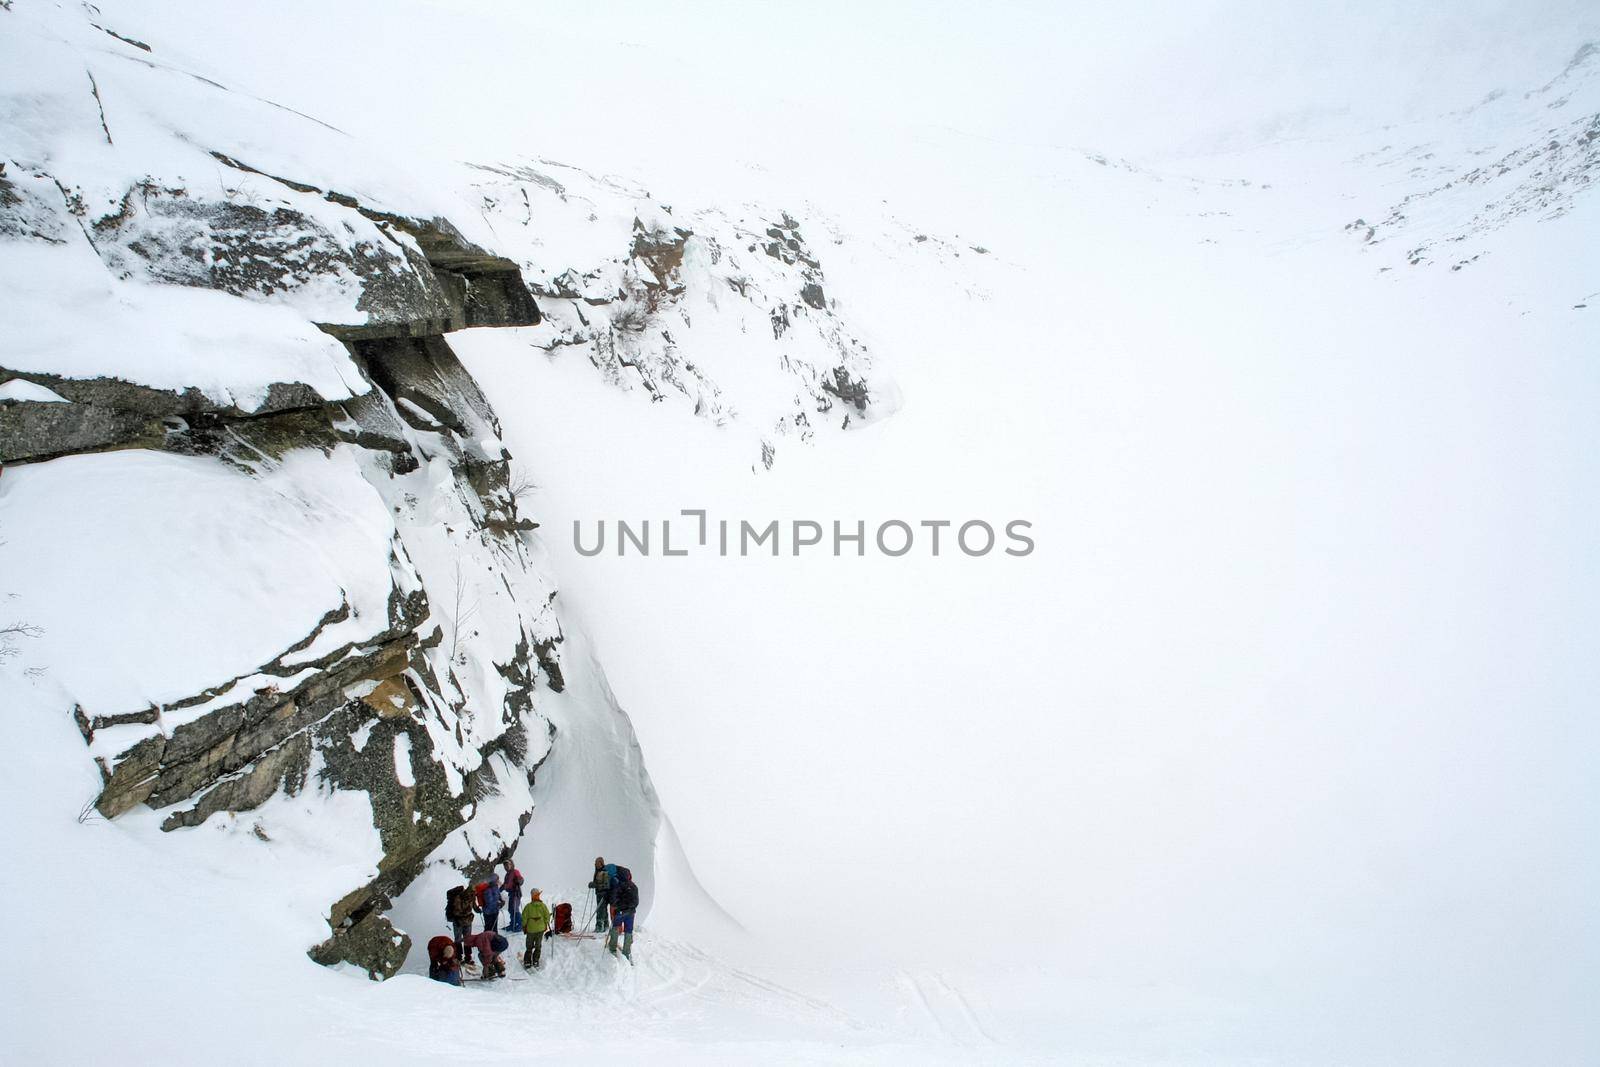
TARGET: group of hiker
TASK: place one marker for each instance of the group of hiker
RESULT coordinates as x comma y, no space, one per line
616,901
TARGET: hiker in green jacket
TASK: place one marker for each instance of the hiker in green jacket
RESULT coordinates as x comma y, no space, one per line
535,922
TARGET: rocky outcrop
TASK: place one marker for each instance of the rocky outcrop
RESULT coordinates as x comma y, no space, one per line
370,942
637,310
377,709
445,282
108,413
402,277
332,719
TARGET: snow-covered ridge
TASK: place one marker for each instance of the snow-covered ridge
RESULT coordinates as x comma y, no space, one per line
1511,155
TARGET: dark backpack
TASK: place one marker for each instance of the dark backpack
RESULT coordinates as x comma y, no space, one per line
623,874
456,908
561,921
626,897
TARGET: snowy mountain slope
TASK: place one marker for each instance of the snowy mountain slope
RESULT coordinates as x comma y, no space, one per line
1225,715
1533,154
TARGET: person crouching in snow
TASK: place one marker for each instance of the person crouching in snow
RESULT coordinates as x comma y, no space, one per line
493,899
489,946
624,902
443,966
535,921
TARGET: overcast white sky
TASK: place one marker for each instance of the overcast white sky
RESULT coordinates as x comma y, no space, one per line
1137,77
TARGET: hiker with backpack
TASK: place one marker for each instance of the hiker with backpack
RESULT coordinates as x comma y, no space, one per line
459,908
624,900
513,884
489,945
491,898
535,922
443,963
601,884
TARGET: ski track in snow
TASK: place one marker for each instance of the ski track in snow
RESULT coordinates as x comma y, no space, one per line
950,1014
673,991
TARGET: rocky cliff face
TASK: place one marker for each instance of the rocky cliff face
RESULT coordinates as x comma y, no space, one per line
416,429
260,334
655,298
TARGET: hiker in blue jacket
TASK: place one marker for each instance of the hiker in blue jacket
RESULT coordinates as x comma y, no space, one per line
493,900
624,901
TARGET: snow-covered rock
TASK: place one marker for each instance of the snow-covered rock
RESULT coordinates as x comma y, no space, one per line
256,508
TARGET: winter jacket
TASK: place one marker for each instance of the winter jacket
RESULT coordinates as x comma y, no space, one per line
600,883
441,969
536,917
483,941
492,898
458,907
624,897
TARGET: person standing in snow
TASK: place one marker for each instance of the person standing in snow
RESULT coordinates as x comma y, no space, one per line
535,922
493,899
489,946
459,908
624,899
601,884
513,884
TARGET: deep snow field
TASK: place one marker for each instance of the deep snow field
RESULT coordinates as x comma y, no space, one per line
1279,748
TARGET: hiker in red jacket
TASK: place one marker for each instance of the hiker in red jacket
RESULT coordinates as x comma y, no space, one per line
489,946
513,893
443,965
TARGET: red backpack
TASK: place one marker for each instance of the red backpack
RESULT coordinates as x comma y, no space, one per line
561,921
477,891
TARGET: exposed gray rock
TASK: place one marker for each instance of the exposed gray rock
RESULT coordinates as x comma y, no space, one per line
28,210
283,766
30,430
424,372
370,942
171,235
108,413
164,770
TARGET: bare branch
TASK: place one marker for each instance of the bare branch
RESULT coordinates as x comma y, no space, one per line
461,612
